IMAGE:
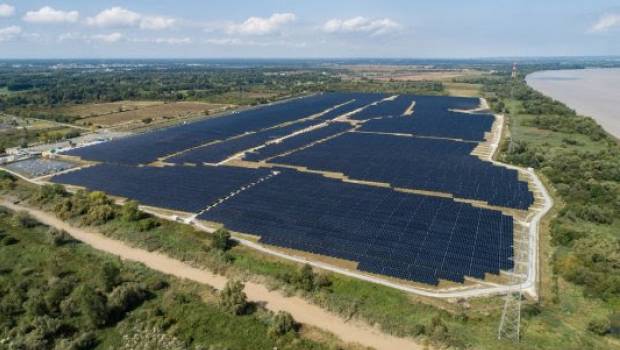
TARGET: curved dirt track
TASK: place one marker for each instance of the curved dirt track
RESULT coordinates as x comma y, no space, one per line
302,311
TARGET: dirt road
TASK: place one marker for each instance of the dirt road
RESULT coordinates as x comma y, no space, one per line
302,311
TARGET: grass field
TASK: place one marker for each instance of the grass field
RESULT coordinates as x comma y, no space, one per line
119,113
462,89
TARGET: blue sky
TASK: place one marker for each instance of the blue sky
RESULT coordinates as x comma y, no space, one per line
307,28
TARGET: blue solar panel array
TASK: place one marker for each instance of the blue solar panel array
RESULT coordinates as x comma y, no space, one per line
419,238
417,163
297,141
189,189
464,126
433,117
414,237
394,107
356,101
147,147
220,151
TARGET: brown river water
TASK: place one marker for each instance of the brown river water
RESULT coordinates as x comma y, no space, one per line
591,92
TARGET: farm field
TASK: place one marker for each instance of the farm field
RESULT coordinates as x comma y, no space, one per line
293,194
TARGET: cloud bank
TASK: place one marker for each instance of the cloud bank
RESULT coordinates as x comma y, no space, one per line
361,24
262,25
50,15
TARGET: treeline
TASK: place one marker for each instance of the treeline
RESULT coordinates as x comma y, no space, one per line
586,177
58,87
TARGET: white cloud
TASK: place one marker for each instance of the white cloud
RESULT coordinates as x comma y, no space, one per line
261,25
50,15
9,33
173,41
361,25
114,17
157,22
606,22
122,17
6,10
255,43
108,38
169,41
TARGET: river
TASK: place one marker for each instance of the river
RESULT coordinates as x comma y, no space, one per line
591,92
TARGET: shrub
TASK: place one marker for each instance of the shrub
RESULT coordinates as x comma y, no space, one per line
147,224
125,298
47,193
24,220
99,215
92,307
109,276
600,326
58,237
305,280
281,324
130,212
233,299
221,240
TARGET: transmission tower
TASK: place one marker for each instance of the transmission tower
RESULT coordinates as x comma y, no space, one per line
509,327
512,90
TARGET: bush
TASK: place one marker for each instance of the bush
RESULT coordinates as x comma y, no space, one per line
47,193
305,280
600,326
281,324
92,307
109,276
126,297
221,240
233,299
147,224
130,212
58,237
24,220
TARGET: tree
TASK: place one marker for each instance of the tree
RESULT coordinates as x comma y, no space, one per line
130,211
233,299
281,324
221,240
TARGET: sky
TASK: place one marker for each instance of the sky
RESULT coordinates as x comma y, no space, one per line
308,28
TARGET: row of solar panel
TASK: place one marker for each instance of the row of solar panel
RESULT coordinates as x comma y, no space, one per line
217,152
297,141
187,189
416,163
